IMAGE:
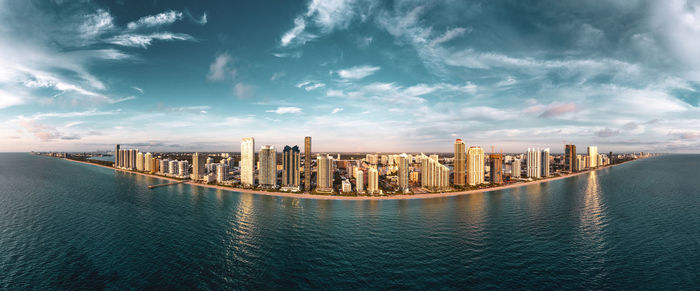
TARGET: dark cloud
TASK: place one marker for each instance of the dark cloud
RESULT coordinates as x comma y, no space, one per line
607,132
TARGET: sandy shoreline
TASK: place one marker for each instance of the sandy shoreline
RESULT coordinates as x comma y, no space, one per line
332,197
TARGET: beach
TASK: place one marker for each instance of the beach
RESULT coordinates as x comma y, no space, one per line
337,197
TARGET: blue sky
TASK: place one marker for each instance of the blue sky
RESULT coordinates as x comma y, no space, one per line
357,75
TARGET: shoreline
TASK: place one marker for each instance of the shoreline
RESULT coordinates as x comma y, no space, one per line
333,197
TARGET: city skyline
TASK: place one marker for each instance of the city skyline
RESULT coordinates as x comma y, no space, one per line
358,76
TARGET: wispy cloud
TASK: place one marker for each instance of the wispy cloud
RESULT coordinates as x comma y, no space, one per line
310,85
286,110
145,40
165,18
358,72
336,110
220,68
242,90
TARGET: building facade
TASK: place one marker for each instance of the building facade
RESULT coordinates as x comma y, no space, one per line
460,162
267,174
248,161
593,156
570,158
496,168
403,173
534,163
324,175
372,181
290,167
545,163
307,164
475,166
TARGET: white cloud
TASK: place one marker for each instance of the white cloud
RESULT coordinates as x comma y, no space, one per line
203,20
242,90
96,24
326,16
144,40
310,85
449,35
277,75
219,69
358,72
137,89
336,110
285,110
297,33
7,99
165,18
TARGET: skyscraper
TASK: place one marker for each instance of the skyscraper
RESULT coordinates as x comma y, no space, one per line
533,163
496,168
324,175
475,166
267,174
307,164
359,181
403,173
139,161
290,167
460,162
372,181
147,164
198,162
593,156
433,174
515,169
132,159
248,161
570,158
545,162
116,156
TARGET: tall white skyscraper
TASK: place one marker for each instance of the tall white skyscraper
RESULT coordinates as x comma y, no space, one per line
147,164
248,161
545,162
359,181
183,168
515,169
403,172
593,156
433,174
268,166
533,163
372,181
324,175
475,166
139,161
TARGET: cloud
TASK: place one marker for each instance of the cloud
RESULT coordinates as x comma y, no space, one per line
220,68
325,17
145,40
310,85
277,75
7,99
285,110
137,89
96,24
336,110
160,19
244,91
607,132
553,110
358,72
203,19
630,125
449,35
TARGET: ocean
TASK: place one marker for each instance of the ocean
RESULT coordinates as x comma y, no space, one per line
66,225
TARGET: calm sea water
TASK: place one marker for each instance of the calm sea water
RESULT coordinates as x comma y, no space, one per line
69,225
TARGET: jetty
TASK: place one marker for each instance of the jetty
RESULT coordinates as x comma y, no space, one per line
166,184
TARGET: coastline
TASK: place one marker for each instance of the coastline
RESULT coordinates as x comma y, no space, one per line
333,197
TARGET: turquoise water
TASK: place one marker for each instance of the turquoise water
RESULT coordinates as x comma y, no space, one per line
70,225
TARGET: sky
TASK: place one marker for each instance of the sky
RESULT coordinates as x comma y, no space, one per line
356,75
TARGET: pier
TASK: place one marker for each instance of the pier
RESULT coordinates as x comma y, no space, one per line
166,184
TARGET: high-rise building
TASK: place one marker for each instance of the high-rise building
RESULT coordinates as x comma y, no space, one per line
346,187
147,165
132,159
496,168
290,167
267,174
164,164
593,156
116,156
324,175
545,162
247,161
515,168
359,181
221,172
460,162
183,169
475,166
173,167
533,163
403,173
433,174
139,161
155,165
307,164
372,181
198,161
570,158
